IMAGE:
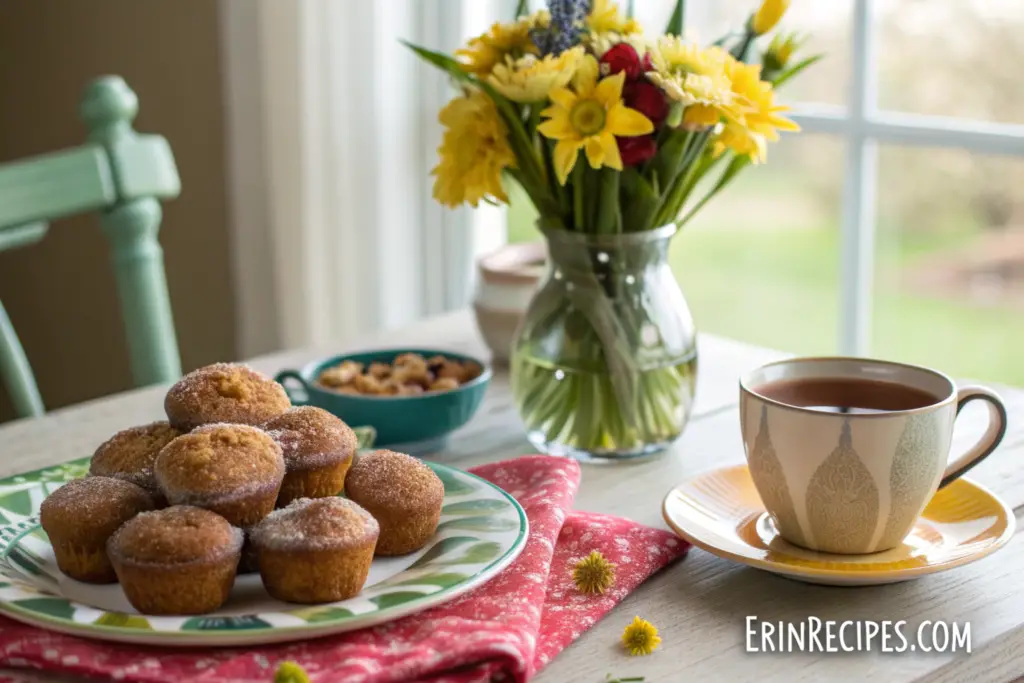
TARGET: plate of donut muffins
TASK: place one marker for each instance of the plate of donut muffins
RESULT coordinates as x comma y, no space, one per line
241,519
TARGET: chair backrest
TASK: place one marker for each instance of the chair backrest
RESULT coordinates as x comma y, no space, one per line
122,175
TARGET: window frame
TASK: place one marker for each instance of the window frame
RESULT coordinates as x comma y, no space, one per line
862,125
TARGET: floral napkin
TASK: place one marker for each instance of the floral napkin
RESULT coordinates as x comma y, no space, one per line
509,628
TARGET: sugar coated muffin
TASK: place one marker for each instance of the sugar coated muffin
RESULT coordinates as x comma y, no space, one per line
316,550
130,453
80,516
224,392
233,470
179,560
402,494
318,450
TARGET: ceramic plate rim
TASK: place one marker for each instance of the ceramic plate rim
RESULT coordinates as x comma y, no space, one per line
844,575
272,634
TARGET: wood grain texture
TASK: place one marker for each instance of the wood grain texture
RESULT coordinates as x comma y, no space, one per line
700,604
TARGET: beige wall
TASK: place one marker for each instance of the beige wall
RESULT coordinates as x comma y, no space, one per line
60,293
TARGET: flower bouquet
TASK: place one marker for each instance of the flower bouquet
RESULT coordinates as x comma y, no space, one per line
618,140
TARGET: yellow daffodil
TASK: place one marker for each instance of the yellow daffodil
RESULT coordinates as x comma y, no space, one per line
768,15
605,17
588,117
593,574
530,79
693,76
484,52
760,118
640,637
473,152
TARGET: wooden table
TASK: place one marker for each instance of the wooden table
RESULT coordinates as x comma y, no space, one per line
700,604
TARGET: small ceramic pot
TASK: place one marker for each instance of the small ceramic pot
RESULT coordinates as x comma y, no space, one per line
507,281
415,424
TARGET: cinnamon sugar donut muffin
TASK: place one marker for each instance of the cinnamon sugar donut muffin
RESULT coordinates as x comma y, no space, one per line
316,550
233,470
179,560
130,453
224,392
318,450
402,494
80,516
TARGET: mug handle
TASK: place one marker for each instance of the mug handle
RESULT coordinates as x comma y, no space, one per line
285,375
989,440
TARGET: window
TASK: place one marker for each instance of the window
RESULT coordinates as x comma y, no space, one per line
893,226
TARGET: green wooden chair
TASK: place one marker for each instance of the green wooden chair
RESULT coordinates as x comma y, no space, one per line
122,175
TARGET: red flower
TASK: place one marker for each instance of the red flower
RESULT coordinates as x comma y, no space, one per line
623,57
647,99
646,65
636,150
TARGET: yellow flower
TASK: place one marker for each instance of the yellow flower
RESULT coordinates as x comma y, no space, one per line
693,76
781,49
760,118
484,52
767,15
589,117
473,152
599,43
605,17
290,672
640,637
593,574
529,79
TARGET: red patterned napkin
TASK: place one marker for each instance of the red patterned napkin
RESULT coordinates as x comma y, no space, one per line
510,627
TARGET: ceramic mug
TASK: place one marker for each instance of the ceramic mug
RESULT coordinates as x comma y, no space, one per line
855,482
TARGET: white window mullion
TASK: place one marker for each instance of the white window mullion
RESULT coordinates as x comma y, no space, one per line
858,220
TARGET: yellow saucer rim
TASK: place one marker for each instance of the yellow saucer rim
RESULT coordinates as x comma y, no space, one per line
844,575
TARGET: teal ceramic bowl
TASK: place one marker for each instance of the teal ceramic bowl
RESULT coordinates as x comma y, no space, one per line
411,424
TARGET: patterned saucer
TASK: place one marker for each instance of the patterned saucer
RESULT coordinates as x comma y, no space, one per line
720,511
481,532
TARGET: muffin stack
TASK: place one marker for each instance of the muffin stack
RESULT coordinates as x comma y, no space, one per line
174,510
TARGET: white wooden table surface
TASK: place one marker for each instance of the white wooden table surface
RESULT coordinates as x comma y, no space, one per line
699,604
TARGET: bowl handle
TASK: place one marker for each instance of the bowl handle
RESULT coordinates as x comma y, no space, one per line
303,397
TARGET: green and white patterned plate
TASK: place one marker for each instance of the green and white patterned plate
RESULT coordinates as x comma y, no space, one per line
482,530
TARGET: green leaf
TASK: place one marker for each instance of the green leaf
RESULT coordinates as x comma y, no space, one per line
441,580
314,615
795,69
453,485
54,607
608,216
243,623
442,547
521,8
675,23
398,598
123,621
479,524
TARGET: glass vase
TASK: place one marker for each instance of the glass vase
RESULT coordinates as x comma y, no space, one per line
604,362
